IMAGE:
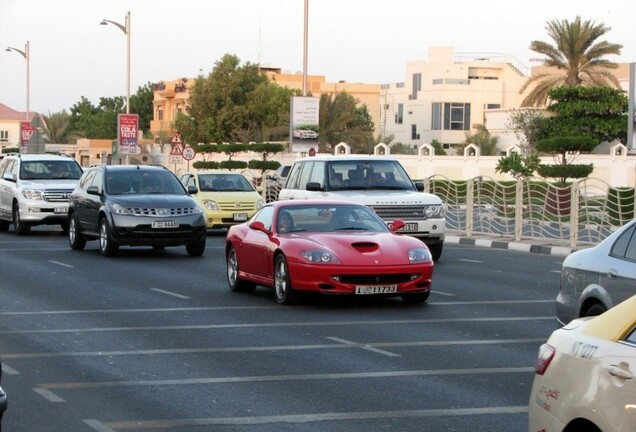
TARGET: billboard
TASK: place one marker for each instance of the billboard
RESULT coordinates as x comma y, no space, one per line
303,124
127,129
26,132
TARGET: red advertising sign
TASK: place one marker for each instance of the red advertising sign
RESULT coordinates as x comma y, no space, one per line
127,128
26,131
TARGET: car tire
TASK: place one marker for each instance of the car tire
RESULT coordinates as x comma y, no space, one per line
107,246
4,225
595,310
75,239
282,283
436,251
20,227
236,284
196,249
417,298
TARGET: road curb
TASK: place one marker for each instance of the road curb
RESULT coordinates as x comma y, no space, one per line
516,246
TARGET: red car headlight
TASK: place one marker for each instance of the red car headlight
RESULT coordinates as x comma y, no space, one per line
419,255
320,257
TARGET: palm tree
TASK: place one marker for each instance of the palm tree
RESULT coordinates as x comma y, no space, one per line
575,59
56,128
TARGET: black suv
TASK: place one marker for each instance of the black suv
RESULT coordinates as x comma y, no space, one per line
135,206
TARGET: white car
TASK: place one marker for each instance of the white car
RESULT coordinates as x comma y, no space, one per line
594,280
585,376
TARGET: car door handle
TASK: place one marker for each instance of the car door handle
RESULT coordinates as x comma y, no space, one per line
619,372
612,274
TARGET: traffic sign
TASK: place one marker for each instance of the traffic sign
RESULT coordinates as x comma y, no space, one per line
188,152
176,139
176,150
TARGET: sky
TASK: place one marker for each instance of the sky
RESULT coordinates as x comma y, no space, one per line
357,41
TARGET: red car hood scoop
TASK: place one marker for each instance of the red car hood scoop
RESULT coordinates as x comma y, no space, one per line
365,247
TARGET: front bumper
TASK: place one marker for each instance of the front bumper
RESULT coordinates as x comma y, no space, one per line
138,231
343,280
226,219
38,212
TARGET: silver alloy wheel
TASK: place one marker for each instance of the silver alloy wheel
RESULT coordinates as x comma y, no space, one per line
232,268
281,281
71,231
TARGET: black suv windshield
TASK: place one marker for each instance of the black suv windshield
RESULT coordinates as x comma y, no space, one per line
143,182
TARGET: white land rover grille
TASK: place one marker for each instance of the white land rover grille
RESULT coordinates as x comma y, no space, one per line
401,212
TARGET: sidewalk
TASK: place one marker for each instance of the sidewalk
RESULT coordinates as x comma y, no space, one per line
531,246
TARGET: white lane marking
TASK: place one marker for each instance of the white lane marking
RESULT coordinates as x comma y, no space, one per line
266,348
364,347
280,378
6,369
276,324
307,418
442,293
470,261
170,293
98,426
555,271
48,395
61,264
222,308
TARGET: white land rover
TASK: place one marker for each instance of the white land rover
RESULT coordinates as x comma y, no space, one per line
378,182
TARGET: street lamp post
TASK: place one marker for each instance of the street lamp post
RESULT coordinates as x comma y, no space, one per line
126,29
26,56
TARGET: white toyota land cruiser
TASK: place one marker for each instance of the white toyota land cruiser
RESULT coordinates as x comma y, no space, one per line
378,182
34,190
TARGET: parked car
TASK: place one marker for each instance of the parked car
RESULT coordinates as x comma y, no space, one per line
34,190
381,183
274,182
134,206
594,280
227,197
585,376
328,247
3,399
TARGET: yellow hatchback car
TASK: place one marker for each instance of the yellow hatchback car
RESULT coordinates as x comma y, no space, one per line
227,197
585,376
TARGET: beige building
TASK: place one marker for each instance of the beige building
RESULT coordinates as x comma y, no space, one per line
445,95
171,97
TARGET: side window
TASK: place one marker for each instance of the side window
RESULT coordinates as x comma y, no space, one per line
98,181
5,168
86,181
318,173
623,244
305,175
265,215
631,337
294,174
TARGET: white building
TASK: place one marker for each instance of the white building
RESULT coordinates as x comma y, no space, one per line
444,96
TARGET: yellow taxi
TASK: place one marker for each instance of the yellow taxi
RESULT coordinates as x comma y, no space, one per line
227,197
585,375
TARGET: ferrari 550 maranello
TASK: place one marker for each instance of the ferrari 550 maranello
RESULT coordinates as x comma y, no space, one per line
338,248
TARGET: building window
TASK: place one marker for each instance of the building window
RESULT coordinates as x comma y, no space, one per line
4,136
493,106
417,85
414,134
399,116
450,116
160,113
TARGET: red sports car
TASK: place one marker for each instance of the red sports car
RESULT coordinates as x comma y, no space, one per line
326,247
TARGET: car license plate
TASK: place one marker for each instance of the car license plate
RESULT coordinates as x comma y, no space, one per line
409,227
59,210
165,224
240,217
380,289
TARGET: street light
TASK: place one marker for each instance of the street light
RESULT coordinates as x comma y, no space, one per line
26,56
126,29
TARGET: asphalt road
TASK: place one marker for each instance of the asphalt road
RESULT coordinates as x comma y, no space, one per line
156,341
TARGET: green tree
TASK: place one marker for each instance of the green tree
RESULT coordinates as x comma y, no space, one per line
576,58
98,122
482,138
57,128
341,120
141,103
235,103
